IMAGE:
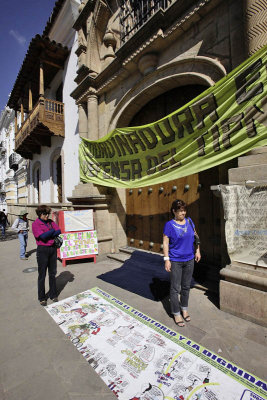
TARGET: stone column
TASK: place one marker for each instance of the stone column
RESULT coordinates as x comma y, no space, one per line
92,110
244,285
82,120
255,30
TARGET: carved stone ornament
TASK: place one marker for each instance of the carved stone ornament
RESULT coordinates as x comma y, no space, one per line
110,42
147,63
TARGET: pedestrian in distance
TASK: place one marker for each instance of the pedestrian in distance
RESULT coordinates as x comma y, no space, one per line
44,231
3,223
179,255
21,226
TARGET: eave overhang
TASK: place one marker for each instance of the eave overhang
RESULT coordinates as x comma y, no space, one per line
41,50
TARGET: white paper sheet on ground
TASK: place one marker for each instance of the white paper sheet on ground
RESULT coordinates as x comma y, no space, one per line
139,358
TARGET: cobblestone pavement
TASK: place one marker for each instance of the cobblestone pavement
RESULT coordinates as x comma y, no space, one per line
38,362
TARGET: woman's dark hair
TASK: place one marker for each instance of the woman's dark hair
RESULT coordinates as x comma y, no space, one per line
42,210
177,205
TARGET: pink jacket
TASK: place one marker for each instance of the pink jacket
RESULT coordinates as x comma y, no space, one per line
39,227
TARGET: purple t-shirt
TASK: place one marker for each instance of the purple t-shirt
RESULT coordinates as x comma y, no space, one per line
39,227
181,240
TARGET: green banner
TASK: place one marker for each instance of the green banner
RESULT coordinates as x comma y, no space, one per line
225,121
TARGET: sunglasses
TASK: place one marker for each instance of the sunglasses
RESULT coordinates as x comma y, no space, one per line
45,213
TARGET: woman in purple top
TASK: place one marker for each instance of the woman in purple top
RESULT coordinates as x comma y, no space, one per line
44,231
179,256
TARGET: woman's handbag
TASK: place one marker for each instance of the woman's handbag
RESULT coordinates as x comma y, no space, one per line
196,237
58,241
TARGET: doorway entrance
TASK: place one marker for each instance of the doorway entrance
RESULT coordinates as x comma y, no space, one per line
148,208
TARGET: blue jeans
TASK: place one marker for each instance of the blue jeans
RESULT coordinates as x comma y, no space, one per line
3,229
23,238
181,275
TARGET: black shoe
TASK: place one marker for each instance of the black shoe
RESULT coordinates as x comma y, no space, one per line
55,299
43,303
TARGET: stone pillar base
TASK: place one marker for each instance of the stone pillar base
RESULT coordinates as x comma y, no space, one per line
109,217
243,293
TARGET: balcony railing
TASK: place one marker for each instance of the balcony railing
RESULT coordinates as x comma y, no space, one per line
134,13
44,121
14,161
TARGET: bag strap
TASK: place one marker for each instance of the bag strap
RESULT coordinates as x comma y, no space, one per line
191,223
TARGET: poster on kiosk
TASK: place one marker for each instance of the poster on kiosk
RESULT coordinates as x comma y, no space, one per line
78,234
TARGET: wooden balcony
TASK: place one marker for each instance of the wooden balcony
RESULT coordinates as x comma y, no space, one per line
44,121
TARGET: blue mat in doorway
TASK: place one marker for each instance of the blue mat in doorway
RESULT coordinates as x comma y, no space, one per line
143,273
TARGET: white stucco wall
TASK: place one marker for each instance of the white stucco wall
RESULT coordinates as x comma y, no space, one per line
72,138
62,32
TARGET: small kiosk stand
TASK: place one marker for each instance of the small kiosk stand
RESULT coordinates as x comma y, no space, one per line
78,234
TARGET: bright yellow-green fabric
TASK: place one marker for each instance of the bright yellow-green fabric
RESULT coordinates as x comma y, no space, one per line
222,123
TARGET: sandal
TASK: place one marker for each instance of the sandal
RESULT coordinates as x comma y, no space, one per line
187,318
43,303
179,323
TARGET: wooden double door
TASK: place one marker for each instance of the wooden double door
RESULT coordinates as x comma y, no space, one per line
148,208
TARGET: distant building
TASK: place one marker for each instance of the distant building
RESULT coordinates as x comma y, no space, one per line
13,168
46,134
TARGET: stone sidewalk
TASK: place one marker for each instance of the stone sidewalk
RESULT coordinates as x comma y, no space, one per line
38,362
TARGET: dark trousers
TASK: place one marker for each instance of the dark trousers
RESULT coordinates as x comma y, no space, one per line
47,259
181,274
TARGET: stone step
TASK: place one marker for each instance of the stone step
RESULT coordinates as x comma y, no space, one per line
130,250
120,257
242,174
258,150
256,159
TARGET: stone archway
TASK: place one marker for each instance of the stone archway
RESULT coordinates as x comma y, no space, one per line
191,71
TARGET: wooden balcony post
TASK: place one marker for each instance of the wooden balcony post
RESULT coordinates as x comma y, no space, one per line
16,122
21,113
30,97
41,82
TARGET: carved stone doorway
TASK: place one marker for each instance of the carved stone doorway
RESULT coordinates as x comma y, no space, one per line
148,208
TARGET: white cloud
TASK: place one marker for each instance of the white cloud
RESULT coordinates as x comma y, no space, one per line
19,38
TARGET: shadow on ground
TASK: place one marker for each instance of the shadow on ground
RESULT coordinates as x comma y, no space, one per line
213,298
9,236
30,252
62,279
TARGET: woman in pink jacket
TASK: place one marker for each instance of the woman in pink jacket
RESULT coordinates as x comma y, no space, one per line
44,231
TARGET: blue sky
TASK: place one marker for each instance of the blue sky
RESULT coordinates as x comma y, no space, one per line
20,21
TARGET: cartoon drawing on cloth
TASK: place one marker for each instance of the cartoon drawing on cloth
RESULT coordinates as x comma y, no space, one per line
139,360
149,392
111,368
146,353
123,330
156,339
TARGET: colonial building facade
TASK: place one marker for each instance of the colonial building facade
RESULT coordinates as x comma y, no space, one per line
139,61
